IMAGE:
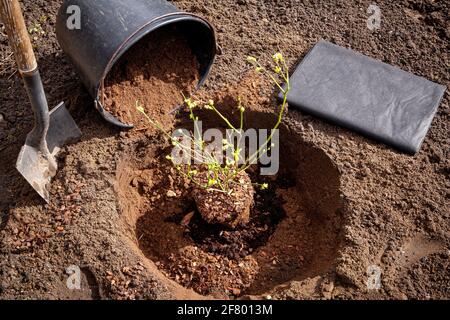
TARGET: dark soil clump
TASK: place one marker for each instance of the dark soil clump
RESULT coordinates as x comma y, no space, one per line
230,210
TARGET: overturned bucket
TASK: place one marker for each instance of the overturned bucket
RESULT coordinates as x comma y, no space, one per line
96,34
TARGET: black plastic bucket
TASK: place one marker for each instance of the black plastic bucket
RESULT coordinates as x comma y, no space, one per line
109,28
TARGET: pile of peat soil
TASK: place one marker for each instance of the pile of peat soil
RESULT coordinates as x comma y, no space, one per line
394,213
155,73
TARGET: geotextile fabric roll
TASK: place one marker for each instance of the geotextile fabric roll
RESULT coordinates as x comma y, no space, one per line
365,95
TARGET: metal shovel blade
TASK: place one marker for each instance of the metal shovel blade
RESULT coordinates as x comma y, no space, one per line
39,168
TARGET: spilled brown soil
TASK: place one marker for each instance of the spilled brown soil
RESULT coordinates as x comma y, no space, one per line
356,204
155,73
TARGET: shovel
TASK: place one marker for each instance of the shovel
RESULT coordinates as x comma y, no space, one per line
36,161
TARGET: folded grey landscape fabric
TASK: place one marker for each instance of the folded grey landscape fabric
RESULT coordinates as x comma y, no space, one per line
365,95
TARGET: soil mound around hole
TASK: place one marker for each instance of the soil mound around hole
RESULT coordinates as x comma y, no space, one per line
217,207
293,232
155,73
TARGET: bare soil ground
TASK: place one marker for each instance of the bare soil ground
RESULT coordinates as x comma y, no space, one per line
350,204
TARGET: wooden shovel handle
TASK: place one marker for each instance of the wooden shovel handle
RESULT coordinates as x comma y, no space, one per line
19,40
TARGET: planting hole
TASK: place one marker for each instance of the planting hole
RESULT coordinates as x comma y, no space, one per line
293,231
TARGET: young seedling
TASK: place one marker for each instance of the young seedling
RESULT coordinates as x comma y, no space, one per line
222,189
36,30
